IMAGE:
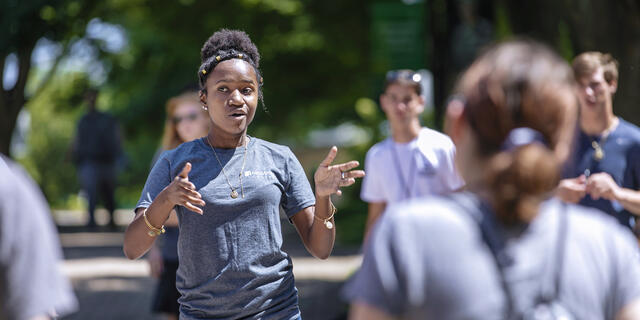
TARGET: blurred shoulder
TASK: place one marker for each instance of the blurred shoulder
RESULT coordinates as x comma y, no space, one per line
6,171
630,130
434,140
13,174
187,151
18,188
270,149
431,214
379,149
264,145
591,223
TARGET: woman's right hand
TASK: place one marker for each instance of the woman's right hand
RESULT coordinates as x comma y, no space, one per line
182,192
572,190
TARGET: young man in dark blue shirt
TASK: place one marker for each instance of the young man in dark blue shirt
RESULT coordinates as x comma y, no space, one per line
606,170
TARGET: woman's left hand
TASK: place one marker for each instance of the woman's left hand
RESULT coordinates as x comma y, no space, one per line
329,178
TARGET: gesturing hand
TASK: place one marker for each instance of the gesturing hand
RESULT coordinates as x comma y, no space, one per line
329,178
602,185
182,192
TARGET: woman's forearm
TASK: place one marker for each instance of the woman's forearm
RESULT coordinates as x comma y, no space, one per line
137,240
321,238
629,199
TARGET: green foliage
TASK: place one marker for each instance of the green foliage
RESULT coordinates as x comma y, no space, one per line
501,24
312,68
24,22
315,60
563,42
53,117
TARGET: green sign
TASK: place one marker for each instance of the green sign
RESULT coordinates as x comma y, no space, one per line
397,36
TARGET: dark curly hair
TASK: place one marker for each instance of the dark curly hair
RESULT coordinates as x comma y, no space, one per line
228,44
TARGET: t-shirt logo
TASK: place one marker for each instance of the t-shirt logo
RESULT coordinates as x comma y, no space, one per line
265,174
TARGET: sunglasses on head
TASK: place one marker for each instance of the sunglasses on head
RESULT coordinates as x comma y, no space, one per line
409,75
191,117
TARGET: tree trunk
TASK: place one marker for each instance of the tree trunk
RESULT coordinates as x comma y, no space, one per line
440,35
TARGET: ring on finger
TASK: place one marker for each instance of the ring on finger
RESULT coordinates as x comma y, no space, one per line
342,175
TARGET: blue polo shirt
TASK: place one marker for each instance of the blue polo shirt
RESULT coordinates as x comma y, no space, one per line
621,160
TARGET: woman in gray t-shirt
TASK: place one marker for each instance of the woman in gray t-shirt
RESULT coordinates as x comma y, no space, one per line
502,250
227,189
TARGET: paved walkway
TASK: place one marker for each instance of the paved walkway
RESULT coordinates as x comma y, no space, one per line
109,286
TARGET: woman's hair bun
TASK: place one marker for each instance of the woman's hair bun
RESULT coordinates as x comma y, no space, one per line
226,40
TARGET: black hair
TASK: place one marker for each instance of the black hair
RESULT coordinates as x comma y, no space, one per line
228,44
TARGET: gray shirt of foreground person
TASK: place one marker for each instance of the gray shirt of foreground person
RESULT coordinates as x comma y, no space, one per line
231,264
31,282
427,260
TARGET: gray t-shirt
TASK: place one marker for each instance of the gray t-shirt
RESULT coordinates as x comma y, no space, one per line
31,282
427,259
231,262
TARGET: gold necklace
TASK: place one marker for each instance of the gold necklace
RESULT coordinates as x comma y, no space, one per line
234,193
598,152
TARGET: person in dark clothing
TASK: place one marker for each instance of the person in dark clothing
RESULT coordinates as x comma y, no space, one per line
96,149
605,171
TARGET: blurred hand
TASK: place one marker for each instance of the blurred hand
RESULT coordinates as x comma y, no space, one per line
601,185
182,192
155,262
329,178
572,190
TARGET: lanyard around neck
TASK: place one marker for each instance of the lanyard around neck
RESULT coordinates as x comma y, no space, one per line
406,187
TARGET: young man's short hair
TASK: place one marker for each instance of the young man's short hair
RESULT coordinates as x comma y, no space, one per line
403,77
587,63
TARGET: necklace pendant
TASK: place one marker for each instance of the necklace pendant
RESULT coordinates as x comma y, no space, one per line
234,194
598,154
328,224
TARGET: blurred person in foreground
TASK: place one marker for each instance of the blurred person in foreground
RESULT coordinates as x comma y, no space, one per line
415,161
227,189
605,171
186,121
504,249
96,149
32,285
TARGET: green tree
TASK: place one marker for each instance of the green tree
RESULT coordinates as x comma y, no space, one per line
314,71
24,23
53,116
575,26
